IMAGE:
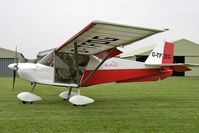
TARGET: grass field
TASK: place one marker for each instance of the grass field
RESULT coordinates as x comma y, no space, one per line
171,105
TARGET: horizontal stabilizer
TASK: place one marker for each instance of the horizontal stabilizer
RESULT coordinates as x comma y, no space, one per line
176,67
180,68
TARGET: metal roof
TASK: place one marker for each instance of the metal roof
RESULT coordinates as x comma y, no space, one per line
137,51
6,53
182,47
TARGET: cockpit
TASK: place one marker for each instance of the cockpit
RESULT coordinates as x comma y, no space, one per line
65,66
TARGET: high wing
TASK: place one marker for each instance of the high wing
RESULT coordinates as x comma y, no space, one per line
100,36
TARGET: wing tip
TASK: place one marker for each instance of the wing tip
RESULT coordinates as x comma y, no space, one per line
165,29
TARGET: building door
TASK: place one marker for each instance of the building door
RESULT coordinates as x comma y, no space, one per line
141,58
178,59
4,70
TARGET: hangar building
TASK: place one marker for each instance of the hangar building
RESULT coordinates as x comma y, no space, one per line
7,57
185,51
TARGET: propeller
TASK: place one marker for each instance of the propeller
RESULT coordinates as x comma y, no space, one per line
15,70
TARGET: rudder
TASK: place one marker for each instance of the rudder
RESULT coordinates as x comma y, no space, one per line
168,53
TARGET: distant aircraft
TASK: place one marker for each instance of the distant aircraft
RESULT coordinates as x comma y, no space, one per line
89,58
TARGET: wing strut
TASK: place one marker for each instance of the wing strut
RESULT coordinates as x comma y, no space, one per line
76,64
93,72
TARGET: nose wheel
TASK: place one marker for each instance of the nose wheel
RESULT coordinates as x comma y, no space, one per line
29,97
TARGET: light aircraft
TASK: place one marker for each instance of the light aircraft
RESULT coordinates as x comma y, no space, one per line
89,58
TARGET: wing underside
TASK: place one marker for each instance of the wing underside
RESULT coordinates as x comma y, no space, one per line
101,36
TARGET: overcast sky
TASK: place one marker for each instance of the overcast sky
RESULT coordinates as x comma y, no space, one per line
36,25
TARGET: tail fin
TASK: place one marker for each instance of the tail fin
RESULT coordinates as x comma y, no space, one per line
161,54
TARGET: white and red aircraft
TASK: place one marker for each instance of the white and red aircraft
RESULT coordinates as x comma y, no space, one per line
88,58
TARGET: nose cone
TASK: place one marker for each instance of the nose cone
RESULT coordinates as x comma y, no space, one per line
13,66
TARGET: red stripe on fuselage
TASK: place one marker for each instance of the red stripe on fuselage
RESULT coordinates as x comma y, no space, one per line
105,76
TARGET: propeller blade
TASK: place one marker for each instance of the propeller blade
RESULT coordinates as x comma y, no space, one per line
15,71
14,77
16,57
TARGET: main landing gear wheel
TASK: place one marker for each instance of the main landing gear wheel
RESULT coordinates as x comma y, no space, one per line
27,97
75,98
80,100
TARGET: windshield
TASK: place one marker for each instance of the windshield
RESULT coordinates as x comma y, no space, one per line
47,60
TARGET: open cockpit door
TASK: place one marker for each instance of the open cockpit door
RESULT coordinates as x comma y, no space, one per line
64,67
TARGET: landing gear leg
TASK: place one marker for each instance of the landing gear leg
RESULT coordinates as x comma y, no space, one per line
69,93
66,95
33,84
78,91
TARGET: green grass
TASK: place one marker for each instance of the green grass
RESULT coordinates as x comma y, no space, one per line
165,106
